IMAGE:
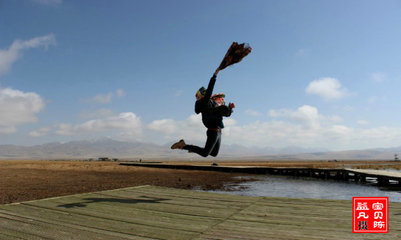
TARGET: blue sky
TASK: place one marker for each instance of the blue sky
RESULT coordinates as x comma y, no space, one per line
322,74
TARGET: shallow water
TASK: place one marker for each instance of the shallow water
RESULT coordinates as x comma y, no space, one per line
292,187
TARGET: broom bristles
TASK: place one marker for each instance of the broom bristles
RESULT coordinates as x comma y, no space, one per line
234,54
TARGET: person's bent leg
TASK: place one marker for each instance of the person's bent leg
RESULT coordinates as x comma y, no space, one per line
216,147
195,149
212,139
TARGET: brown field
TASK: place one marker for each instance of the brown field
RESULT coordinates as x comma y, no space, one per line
29,180
23,180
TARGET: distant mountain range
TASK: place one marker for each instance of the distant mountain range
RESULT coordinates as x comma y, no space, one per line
137,150
85,149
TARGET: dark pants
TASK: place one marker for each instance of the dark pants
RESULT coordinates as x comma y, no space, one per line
212,145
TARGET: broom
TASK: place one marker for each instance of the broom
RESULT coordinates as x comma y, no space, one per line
234,54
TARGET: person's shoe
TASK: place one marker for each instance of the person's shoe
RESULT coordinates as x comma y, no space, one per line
179,145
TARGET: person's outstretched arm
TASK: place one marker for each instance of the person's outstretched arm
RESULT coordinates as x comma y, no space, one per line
201,105
210,87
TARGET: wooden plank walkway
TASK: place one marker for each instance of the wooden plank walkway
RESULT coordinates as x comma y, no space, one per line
149,212
372,172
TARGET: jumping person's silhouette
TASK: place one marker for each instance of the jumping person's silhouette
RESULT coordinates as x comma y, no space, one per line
213,110
213,107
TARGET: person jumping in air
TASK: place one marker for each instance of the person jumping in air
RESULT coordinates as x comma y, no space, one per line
213,110
213,107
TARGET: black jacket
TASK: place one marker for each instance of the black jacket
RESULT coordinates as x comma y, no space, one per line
212,114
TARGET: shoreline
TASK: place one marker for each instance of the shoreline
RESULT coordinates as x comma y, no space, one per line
24,180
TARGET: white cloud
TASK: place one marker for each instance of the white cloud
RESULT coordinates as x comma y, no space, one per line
166,126
372,99
335,119
298,126
327,88
307,115
272,133
102,98
302,52
126,122
65,129
190,129
106,98
252,113
53,3
100,113
10,55
120,93
347,108
378,77
284,133
17,107
362,122
40,132
178,93
302,127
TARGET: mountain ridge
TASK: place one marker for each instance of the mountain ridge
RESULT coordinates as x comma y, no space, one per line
84,149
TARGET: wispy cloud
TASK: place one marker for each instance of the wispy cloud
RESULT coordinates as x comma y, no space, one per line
40,132
252,113
14,52
106,98
302,52
327,88
372,99
120,93
53,3
102,98
18,107
378,77
362,122
100,113
127,122
178,93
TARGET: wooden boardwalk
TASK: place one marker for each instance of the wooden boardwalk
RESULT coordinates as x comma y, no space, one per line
382,177
378,177
149,212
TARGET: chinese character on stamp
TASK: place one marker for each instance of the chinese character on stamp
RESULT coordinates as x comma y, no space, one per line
370,214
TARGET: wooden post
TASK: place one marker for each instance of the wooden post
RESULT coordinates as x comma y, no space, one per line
382,181
362,178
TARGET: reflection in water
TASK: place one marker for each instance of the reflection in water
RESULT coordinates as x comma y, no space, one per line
282,186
